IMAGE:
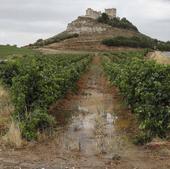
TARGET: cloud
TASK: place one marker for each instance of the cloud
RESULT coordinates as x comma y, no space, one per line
23,21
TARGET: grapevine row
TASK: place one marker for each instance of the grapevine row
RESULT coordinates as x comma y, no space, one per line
36,82
146,87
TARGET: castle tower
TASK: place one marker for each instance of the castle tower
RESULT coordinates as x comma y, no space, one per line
111,12
90,13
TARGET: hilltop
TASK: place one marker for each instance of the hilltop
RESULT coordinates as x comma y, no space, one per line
89,34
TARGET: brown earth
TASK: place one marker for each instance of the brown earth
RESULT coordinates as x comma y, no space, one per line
51,50
96,135
92,42
91,33
159,57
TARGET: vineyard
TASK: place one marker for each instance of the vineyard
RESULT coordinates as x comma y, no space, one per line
145,86
82,87
90,106
36,82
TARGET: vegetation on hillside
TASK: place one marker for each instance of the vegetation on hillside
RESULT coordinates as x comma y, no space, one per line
58,38
117,22
163,46
37,82
137,42
146,87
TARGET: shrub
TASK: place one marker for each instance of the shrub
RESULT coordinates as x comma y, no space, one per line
34,121
135,42
163,46
8,71
117,22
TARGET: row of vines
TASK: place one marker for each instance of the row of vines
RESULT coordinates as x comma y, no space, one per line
36,82
145,85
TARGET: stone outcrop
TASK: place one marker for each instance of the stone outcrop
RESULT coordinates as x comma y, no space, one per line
84,25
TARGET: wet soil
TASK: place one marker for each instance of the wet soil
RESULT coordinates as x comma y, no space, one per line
94,130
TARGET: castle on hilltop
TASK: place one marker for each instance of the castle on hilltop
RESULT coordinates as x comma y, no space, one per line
90,13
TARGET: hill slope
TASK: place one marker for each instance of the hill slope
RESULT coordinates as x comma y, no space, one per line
85,34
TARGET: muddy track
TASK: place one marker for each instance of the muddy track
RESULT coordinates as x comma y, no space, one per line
96,133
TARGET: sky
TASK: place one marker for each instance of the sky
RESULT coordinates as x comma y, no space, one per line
24,21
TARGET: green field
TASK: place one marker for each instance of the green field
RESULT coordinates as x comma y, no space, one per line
7,51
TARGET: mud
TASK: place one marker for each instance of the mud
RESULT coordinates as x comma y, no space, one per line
96,133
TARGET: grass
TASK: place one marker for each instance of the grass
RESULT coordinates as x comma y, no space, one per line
6,109
7,51
5,102
10,133
13,136
163,60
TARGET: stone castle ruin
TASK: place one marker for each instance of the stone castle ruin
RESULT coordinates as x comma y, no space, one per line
87,24
90,13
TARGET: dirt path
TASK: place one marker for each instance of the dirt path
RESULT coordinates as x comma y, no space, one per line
159,57
96,134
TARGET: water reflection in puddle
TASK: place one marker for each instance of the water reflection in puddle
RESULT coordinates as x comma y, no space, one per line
91,129
91,133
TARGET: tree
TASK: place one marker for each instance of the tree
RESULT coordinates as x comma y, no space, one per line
104,18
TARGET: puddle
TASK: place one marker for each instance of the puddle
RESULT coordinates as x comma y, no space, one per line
92,128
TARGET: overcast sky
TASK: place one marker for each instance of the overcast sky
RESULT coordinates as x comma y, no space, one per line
25,21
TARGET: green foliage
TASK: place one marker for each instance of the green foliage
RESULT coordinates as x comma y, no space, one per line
117,22
37,82
146,87
8,71
135,42
7,50
60,37
142,139
104,18
163,46
38,120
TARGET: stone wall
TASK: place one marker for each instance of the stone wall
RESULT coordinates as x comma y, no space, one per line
90,13
111,12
